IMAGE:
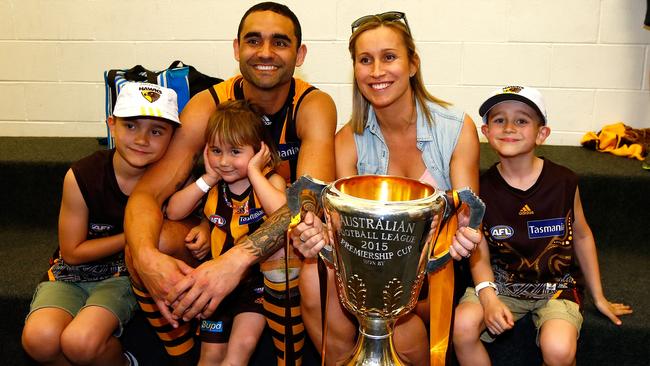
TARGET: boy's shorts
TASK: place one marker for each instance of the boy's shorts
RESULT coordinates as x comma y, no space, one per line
113,294
542,310
248,297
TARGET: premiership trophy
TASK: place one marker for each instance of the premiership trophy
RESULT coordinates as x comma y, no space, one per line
383,241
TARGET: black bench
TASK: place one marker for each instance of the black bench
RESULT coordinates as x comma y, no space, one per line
615,194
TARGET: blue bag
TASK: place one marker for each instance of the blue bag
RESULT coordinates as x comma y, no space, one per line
184,79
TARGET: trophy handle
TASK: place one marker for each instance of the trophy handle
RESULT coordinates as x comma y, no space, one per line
453,200
305,194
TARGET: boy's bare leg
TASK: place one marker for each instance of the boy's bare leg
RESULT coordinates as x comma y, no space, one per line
42,335
89,338
468,326
558,341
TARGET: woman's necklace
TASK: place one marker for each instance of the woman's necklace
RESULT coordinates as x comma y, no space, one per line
239,209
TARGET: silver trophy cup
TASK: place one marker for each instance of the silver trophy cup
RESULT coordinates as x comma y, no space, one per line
382,230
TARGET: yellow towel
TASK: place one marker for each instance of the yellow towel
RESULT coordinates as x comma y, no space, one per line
620,140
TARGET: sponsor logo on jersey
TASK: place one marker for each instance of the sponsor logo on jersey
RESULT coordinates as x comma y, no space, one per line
526,210
266,120
100,228
254,215
212,326
288,151
545,228
217,220
501,232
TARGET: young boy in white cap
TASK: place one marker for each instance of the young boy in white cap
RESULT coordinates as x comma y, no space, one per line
535,234
80,308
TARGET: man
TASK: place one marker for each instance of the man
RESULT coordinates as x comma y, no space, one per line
268,48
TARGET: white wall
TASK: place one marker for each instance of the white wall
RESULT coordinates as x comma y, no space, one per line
590,58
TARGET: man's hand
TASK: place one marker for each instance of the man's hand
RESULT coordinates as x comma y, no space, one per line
310,235
159,274
200,293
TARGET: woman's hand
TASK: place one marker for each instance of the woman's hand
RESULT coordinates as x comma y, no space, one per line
466,238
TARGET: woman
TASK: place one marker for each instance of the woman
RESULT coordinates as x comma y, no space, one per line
396,128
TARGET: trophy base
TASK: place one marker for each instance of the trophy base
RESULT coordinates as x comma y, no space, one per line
375,344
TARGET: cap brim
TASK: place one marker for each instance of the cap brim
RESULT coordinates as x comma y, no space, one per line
134,113
496,99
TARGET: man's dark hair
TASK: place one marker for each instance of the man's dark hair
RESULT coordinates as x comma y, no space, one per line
276,8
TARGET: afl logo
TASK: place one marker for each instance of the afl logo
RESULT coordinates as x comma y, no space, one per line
501,232
217,220
100,228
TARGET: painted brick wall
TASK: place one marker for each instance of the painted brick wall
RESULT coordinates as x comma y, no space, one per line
590,58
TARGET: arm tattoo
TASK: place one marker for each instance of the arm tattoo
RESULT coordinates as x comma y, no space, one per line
270,236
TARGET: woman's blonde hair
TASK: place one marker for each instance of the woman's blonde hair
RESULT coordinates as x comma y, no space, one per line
360,103
237,123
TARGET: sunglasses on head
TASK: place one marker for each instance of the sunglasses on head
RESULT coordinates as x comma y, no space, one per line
389,16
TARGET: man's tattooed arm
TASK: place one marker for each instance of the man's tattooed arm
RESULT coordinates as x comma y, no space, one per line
269,237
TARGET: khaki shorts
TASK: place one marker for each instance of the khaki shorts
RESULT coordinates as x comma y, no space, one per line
113,294
542,311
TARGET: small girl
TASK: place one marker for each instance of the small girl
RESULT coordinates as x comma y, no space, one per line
242,190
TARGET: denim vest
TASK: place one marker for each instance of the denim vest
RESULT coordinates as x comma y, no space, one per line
436,139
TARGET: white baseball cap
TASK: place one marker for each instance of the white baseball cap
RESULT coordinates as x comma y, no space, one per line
144,99
531,96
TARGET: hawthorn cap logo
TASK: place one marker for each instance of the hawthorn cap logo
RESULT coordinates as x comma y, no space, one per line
150,94
530,96
146,100
512,89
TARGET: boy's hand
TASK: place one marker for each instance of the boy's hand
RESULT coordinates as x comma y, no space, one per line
212,177
197,241
260,159
611,310
498,317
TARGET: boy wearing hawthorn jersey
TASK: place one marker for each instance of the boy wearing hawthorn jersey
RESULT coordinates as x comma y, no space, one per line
535,235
